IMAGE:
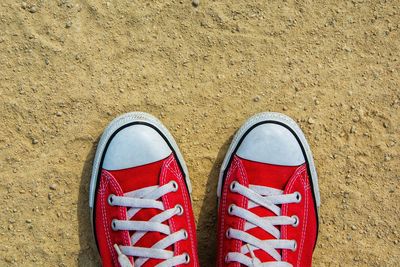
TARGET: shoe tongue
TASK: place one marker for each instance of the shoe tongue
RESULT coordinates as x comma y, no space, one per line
275,176
270,175
136,178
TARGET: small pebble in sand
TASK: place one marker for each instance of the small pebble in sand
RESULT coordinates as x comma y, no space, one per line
59,114
68,24
53,186
356,119
195,3
285,108
311,120
256,98
33,9
347,49
35,141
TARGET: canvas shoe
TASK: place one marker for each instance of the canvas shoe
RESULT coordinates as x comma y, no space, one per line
268,196
140,196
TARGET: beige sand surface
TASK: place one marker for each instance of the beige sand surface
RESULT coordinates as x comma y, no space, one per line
67,67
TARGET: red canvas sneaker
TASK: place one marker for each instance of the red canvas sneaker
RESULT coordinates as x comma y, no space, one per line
268,196
139,196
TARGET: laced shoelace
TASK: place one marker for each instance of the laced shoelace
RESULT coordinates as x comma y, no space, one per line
269,198
141,199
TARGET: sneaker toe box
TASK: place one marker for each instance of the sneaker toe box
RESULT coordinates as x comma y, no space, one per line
133,146
273,144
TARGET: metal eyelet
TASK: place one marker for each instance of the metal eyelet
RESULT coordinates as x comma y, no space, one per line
114,225
174,185
110,200
187,258
230,209
298,197
228,233
180,208
296,221
185,234
295,246
233,186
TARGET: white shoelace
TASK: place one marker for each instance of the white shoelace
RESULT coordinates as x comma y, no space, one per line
269,198
147,198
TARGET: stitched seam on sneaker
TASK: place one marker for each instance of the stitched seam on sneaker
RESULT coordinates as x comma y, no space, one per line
186,203
223,205
305,222
174,171
166,166
102,204
286,207
120,209
296,176
242,221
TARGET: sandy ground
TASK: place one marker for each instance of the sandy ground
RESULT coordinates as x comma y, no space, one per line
67,67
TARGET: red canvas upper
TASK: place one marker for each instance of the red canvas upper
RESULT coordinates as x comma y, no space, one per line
290,179
122,181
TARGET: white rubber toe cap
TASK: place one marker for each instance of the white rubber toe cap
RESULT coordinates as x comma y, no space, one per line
134,146
273,144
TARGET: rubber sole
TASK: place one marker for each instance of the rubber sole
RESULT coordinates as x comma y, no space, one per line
119,123
272,117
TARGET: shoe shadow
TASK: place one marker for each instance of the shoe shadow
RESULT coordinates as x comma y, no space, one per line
208,218
88,255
